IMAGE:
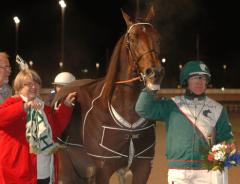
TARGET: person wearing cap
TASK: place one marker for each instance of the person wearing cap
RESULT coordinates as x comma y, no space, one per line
5,71
59,82
87,169
63,79
193,121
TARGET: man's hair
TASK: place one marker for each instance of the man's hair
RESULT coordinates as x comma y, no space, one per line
19,79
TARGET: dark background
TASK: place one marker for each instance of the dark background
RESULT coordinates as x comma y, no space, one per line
92,28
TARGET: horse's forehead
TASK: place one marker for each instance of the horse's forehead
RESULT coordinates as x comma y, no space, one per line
144,31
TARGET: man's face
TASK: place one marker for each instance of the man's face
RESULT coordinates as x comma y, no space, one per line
197,84
5,69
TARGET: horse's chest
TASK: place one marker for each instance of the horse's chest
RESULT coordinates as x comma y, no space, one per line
115,136
122,141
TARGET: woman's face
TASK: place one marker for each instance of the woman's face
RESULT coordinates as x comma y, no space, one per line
58,87
30,88
197,84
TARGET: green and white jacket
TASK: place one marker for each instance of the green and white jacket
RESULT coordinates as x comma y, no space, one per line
190,124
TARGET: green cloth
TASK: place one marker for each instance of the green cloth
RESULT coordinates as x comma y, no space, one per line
39,133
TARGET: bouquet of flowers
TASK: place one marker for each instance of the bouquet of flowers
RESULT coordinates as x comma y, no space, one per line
222,155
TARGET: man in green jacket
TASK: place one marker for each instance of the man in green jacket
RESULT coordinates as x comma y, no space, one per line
193,121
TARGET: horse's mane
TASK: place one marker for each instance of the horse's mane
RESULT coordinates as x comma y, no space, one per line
110,78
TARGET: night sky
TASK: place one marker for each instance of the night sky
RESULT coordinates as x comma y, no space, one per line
92,28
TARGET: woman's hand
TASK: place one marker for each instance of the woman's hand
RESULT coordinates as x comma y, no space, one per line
70,99
32,104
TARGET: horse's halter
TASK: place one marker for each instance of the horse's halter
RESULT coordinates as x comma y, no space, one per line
135,58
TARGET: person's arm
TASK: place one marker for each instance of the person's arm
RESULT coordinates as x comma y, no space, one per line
223,128
151,108
62,115
61,118
11,111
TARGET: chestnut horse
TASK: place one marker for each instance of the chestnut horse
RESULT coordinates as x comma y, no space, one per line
113,136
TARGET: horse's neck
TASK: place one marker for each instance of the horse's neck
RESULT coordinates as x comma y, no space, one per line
127,91
124,99
123,69
125,95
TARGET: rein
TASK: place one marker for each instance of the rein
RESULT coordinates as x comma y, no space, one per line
130,80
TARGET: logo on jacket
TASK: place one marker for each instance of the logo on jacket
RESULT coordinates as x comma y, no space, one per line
207,112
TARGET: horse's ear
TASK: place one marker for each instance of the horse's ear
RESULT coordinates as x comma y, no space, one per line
150,15
127,19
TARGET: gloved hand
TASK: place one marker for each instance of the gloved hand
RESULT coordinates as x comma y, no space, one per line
153,87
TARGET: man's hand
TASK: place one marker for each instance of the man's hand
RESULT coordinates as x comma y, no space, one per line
153,87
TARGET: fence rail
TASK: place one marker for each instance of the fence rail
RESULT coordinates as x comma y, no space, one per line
228,97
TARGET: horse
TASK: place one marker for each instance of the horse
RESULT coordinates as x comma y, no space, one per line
108,134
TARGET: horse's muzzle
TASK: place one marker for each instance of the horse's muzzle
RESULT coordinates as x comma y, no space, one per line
154,76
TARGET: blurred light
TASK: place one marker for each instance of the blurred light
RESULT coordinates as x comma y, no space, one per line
62,4
61,64
31,63
16,20
163,60
180,66
97,65
222,89
224,67
85,70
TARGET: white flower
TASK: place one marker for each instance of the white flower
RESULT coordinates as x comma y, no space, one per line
219,147
219,152
220,156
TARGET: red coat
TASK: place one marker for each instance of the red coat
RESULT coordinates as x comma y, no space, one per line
17,165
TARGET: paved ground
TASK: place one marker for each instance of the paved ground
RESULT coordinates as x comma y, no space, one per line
159,171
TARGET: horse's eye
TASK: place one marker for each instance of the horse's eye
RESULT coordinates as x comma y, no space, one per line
131,40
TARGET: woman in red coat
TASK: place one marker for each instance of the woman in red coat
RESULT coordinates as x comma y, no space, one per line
17,164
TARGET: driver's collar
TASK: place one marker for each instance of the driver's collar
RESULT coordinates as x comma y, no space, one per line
190,95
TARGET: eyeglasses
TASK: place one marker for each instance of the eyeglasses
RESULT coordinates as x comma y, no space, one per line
31,84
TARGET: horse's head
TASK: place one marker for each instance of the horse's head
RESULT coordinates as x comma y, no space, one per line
142,46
